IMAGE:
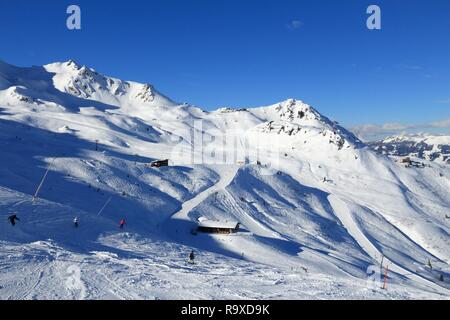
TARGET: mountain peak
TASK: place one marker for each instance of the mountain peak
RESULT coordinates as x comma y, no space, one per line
85,82
72,63
292,109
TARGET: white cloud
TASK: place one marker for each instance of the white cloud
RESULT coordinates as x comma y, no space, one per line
445,101
441,124
294,24
412,67
370,132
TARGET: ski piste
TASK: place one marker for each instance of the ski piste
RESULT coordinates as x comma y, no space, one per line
312,224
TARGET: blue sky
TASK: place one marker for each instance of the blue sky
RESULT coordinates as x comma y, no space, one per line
215,53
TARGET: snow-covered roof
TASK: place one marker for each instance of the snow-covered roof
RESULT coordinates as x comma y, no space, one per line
218,224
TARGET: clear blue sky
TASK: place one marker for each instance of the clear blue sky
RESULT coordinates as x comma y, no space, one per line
215,53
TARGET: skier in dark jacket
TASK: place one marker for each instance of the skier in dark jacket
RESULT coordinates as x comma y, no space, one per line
12,218
191,257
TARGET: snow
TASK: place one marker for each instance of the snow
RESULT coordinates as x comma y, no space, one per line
416,146
218,224
317,208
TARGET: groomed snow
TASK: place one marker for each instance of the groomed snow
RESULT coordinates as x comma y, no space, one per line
319,211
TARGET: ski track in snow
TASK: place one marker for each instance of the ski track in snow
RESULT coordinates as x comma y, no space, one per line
302,236
226,177
345,215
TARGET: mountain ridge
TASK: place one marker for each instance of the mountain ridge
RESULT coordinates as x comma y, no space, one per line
315,203
421,146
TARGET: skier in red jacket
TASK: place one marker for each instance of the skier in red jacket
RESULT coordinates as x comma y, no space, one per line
122,223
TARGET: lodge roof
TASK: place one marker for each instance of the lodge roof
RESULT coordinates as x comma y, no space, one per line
218,224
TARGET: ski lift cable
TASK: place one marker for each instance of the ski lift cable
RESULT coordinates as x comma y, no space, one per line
104,206
18,203
43,179
404,218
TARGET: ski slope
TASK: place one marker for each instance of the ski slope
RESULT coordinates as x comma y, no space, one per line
345,215
318,209
181,217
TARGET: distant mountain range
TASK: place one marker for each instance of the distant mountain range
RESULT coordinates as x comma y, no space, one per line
318,210
422,146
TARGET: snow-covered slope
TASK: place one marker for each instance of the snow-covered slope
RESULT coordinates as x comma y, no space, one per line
428,147
318,209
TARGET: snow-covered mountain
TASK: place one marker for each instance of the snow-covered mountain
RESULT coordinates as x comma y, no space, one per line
422,146
319,210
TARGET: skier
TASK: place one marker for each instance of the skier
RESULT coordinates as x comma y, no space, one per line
75,222
191,257
122,223
12,218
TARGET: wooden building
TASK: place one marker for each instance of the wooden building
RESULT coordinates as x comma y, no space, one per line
160,163
406,160
219,227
